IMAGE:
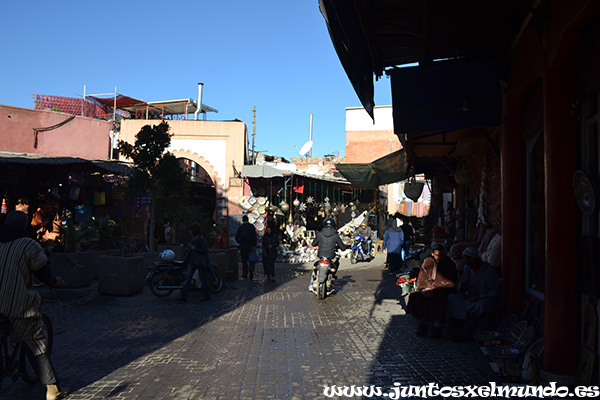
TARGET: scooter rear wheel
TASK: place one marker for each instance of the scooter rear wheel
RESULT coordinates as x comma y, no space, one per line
353,257
321,291
162,278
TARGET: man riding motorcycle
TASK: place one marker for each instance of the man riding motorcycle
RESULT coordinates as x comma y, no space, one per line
365,231
328,241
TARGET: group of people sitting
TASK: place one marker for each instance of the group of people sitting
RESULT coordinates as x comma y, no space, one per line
467,301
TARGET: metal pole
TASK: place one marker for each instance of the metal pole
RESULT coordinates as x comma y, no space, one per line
199,104
83,103
310,136
253,133
115,106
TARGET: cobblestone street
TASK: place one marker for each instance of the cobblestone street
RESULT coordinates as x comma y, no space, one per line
253,340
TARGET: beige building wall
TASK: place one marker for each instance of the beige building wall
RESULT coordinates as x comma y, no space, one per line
219,147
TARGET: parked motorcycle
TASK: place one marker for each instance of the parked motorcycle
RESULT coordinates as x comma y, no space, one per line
407,280
169,274
358,253
322,284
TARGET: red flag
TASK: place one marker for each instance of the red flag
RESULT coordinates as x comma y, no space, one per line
299,188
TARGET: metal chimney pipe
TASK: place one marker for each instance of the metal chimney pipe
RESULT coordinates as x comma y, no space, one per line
310,136
199,105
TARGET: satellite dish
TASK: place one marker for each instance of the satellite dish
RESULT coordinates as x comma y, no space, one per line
306,148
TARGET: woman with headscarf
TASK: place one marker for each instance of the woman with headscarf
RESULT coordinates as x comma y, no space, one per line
393,240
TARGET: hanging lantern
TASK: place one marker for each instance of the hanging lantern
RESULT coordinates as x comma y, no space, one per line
4,208
284,206
296,202
413,189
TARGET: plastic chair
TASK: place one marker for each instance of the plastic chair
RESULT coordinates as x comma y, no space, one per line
516,350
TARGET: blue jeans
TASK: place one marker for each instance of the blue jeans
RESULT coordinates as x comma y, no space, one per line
202,273
246,265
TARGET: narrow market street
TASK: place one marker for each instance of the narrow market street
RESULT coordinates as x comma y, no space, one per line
253,340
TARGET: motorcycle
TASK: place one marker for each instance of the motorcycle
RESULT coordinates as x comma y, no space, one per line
407,280
322,283
357,253
168,274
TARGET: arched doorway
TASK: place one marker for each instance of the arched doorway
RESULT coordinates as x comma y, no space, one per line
204,180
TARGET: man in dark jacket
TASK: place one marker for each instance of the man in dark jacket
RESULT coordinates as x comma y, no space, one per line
328,241
246,238
409,237
197,260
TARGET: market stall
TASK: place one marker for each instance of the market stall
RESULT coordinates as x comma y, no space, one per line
56,191
295,205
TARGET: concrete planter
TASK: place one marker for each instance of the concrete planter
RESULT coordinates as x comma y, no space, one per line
91,258
121,276
72,268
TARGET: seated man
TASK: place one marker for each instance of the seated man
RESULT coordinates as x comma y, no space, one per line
436,280
365,231
477,296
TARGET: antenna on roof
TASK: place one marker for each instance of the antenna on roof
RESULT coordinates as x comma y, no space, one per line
306,148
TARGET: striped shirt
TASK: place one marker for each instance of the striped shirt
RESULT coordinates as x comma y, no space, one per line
18,259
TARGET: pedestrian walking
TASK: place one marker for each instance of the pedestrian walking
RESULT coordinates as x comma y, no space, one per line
246,238
197,259
393,239
270,243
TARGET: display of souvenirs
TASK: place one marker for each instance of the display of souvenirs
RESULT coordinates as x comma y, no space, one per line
412,209
22,205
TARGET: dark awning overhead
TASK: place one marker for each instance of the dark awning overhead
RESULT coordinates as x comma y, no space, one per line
116,167
372,36
388,169
447,95
351,48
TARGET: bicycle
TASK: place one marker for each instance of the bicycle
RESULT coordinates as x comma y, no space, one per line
129,248
16,358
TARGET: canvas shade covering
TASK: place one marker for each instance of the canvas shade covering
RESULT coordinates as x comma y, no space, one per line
385,170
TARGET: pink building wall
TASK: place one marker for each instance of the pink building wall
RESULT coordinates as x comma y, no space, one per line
81,137
366,141
368,146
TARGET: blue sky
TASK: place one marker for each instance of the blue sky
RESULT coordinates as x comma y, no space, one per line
274,54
